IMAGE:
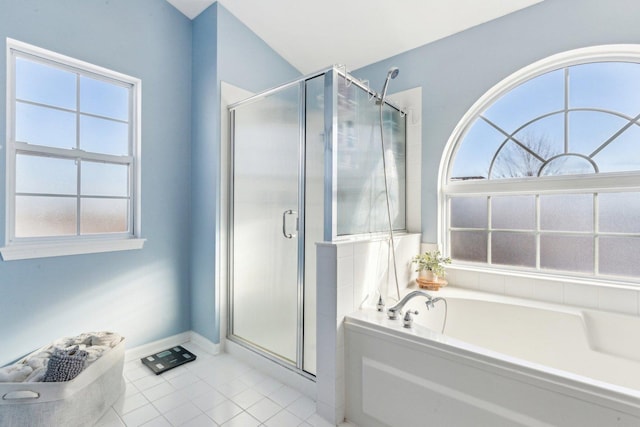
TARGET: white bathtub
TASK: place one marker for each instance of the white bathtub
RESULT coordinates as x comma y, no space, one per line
501,362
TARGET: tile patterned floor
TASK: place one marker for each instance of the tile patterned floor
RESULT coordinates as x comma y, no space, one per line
215,390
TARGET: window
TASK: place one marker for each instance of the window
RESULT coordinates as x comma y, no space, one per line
72,156
543,173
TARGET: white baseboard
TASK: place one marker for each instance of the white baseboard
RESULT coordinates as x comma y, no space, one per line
178,339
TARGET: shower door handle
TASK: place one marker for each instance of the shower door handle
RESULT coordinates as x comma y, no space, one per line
284,223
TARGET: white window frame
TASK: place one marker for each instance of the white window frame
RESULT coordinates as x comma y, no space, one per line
568,184
27,248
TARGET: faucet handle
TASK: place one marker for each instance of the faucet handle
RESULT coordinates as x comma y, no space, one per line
408,319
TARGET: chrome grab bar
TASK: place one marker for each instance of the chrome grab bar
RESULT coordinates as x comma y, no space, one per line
284,223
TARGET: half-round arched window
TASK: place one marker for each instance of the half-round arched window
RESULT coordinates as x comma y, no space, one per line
543,173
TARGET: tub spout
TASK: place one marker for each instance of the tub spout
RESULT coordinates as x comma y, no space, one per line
397,309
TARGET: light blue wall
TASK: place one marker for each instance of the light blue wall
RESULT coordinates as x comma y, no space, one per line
224,49
141,294
456,71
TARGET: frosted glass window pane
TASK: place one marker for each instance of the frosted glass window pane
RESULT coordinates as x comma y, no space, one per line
619,256
45,126
619,212
469,212
104,179
45,84
45,216
103,216
45,175
513,212
570,253
531,99
361,198
469,246
618,84
104,99
566,212
513,249
104,136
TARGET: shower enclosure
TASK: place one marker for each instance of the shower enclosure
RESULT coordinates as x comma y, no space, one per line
306,166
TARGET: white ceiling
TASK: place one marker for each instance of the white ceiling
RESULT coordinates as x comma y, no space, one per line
312,35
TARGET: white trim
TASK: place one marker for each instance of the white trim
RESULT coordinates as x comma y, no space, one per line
19,251
172,341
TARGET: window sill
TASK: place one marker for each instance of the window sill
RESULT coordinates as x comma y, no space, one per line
44,250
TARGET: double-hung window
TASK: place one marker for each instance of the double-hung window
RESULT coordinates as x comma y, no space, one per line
73,156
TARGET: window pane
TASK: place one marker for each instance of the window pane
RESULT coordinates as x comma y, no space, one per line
570,253
469,212
531,99
45,126
513,161
474,155
568,165
469,246
45,84
588,130
513,212
513,249
45,175
566,212
104,99
45,216
104,179
104,136
619,212
104,216
619,256
622,154
608,85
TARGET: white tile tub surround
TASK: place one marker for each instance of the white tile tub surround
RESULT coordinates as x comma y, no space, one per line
350,275
616,298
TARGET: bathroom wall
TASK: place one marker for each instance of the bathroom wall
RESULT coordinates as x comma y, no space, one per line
224,49
142,294
454,72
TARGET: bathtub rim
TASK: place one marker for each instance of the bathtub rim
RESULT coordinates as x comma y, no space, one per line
370,322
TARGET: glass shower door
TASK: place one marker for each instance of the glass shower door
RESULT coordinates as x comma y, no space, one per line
265,237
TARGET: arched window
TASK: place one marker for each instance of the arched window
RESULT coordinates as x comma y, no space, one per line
543,173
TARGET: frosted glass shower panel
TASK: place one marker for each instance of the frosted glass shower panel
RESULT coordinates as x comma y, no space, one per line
265,237
361,200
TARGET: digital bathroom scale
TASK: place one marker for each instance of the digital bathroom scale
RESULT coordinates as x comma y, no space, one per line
168,359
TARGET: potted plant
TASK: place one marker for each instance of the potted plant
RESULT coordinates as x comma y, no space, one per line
431,265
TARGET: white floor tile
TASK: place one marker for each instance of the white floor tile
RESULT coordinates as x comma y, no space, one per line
264,409
283,419
110,419
182,413
242,420
284,396
316,420
247,398
126,404
267,386
145,383
170,401
224,412
209,400
158,391
232,388
302,408
140,416
157,422
200,421
183,380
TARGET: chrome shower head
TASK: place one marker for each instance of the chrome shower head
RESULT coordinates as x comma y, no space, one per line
391,74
